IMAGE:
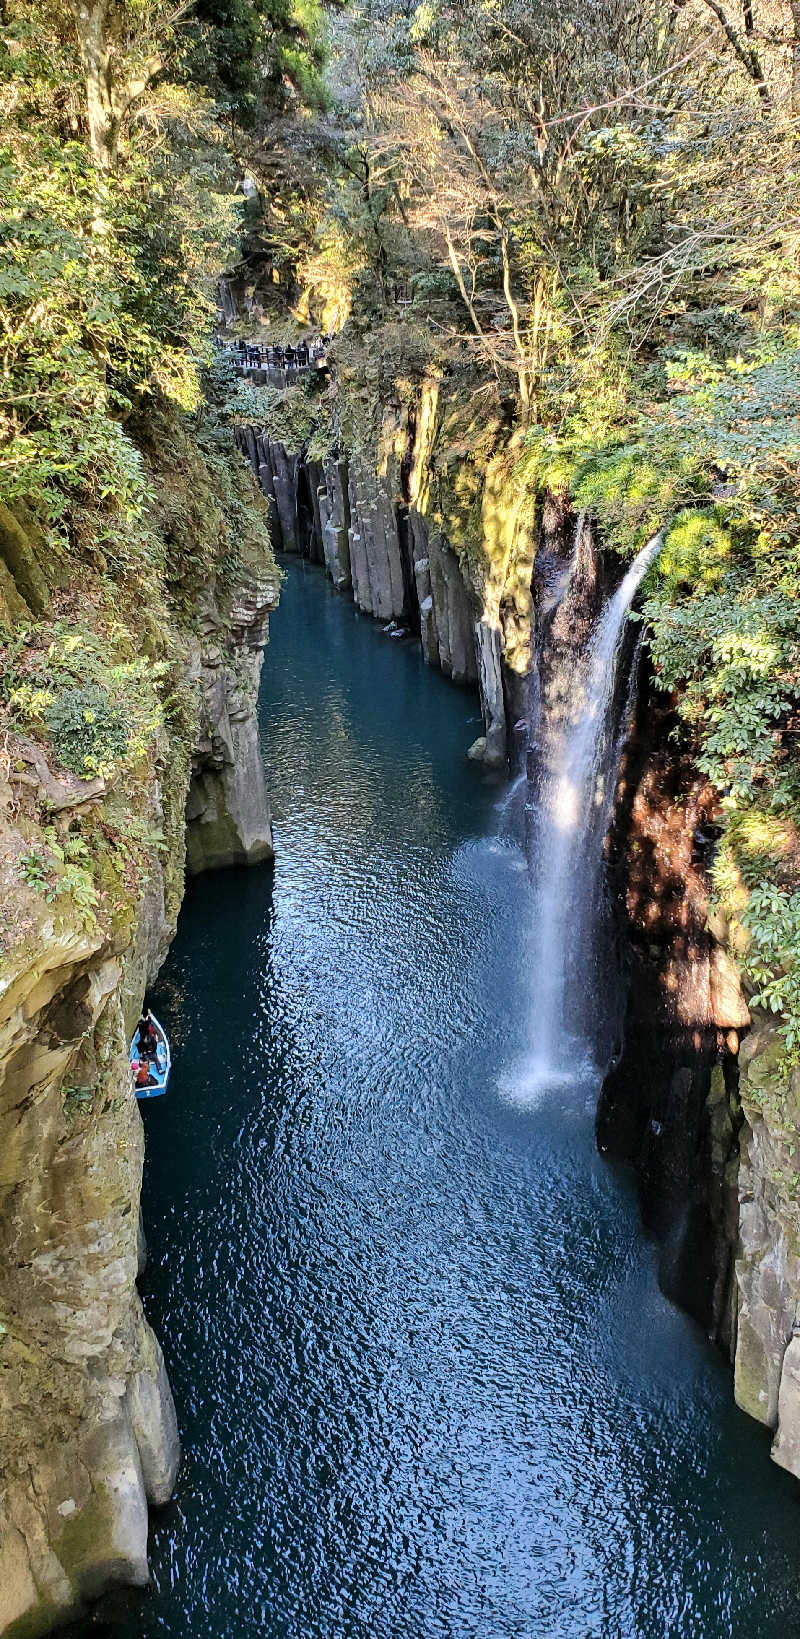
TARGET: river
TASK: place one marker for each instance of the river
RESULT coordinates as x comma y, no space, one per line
427,1384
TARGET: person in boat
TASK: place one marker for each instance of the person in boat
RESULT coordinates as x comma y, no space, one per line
142,1074
148,1040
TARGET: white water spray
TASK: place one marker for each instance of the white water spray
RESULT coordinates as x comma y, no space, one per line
575,797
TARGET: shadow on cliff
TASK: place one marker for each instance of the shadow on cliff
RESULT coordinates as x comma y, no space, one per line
668,1104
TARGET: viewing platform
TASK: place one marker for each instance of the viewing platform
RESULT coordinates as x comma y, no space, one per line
276,366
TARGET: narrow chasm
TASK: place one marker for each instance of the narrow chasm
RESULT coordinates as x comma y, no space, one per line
399,819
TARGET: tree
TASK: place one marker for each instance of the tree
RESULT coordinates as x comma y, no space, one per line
124,46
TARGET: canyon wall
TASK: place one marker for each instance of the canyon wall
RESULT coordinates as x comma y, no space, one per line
395,560
701,1099
87,1423
88,1429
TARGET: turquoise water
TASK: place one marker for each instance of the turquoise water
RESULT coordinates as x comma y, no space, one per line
427,1385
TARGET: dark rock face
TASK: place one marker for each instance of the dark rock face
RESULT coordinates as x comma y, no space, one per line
669,1105
701,1099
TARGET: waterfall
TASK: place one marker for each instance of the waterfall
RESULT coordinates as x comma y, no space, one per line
574,766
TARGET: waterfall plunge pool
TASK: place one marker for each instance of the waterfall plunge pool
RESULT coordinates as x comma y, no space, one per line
427,1385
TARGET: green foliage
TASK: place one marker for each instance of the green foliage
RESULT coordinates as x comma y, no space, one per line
696,552
90,734
247,53
734,659
99,709
61,869
772,918
291,414
34,871
96,316
77,1099
756,873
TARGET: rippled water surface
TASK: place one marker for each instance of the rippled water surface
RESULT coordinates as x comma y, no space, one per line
427,1385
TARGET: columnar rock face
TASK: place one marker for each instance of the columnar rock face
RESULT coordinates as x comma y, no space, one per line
452,615
768,1254
334,506
382,552
489,656
227,811
88,1431
446,617
277,474
375,560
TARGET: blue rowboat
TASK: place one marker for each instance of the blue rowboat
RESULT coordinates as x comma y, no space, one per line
160,1066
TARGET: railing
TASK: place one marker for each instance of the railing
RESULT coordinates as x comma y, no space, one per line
251,358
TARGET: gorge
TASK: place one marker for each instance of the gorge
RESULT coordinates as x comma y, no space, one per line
428,1382
400,689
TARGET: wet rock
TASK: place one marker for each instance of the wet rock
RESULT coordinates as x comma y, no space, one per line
490,682
228,812
786,1445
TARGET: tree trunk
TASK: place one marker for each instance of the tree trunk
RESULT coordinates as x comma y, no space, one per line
90,21
747,54
110,93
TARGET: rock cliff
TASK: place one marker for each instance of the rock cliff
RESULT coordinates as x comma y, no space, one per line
227,810
767,1268
88,1428
701,1099
92,877
397,564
